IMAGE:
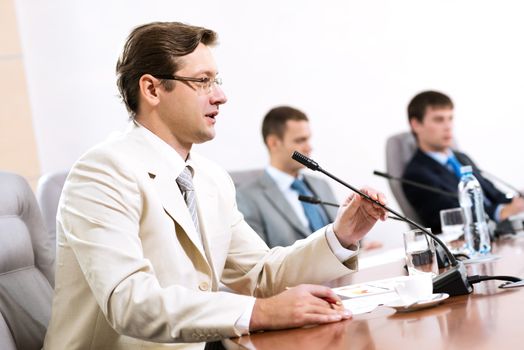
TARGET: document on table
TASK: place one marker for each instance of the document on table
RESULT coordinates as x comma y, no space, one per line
365,297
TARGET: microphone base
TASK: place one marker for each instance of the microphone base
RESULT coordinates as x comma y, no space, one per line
453,282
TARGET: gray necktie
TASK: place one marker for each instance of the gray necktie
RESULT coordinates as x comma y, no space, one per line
185,183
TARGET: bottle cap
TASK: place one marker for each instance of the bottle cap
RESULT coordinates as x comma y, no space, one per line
467,169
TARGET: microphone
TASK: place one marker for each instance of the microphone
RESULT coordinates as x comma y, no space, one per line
415,184
315,200
453,281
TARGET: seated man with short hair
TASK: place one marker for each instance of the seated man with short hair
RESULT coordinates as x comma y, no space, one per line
270,202
430,115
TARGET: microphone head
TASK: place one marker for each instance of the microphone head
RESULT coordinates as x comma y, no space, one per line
379,173
308,199
308,162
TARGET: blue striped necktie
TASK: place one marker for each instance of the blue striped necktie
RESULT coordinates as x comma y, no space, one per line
315,216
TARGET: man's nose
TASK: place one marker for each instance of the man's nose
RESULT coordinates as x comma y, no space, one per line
218,96
307,147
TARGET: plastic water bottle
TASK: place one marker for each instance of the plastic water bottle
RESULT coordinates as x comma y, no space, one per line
471,200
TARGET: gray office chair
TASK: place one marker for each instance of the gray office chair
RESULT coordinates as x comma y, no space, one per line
27,257
399,151
400,148
6,339
48,193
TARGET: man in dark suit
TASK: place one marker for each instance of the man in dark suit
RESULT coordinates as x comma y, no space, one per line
430,115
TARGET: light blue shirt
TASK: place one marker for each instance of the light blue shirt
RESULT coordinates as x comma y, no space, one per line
441,158
284,181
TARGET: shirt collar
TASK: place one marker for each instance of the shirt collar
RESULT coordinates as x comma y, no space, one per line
282,179
441,158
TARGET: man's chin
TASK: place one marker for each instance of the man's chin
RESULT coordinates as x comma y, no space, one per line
205,137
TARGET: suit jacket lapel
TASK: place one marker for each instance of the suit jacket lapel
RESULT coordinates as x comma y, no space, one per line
175,206
448,178
275,196
163,179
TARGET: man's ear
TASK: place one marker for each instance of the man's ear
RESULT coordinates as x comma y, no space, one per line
149,87
415,125
272,141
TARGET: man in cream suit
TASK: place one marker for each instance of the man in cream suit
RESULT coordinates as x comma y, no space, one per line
147,228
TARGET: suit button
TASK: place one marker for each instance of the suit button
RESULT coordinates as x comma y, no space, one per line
203,286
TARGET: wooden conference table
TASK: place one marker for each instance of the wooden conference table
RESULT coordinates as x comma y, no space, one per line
489,318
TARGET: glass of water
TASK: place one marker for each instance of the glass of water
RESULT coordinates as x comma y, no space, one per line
420,253
452,221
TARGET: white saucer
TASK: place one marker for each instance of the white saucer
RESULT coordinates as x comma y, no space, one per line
433,300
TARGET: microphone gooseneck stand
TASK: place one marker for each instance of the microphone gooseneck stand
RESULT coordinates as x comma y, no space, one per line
315,200
454,281
415,184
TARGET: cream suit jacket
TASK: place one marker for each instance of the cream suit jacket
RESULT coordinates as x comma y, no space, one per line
130,271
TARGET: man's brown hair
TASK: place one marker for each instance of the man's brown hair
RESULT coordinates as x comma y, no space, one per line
275,121
419,104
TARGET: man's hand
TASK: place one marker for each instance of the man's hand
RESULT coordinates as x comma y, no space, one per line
300,306
514,207
357,216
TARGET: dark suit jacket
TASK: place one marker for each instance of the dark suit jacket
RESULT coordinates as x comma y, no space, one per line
424,169
269,213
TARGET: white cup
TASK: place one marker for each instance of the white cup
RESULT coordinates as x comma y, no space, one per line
415,288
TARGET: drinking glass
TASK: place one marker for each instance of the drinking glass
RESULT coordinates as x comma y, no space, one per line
420,253
452,222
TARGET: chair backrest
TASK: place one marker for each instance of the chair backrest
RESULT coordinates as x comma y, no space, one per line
48,193
400,148
27,257
399,151
242,176
6,339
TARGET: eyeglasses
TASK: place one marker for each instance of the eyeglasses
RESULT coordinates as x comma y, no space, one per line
205,83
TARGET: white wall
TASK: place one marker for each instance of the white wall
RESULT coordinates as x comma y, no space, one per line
352,66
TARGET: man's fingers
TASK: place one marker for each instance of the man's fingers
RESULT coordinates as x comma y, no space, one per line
320,291
382,198
378,212
323,296
349,199
319,319
327,314
323,317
